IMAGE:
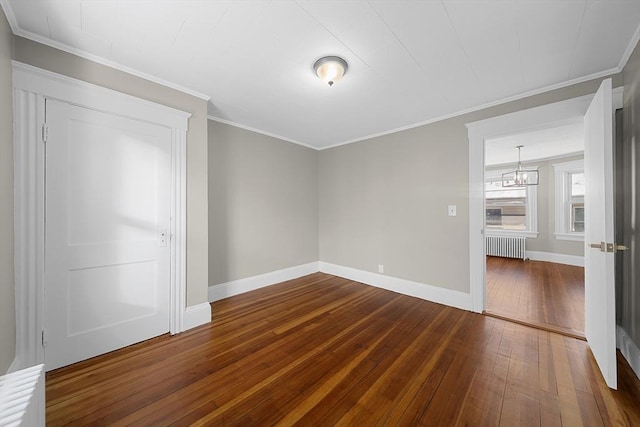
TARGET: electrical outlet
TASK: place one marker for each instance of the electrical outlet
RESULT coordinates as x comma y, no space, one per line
452,210
380,268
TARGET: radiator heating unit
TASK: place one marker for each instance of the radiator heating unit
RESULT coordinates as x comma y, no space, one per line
506,246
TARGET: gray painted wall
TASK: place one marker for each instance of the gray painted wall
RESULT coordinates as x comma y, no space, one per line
546,241
384,200
629,318
263,204
45,57
7,299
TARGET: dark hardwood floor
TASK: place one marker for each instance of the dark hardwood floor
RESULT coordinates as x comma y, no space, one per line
542,294
323,351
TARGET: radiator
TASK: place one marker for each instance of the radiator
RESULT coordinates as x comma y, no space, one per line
22,398
506,246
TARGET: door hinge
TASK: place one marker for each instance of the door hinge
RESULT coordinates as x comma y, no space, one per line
44,338
45,132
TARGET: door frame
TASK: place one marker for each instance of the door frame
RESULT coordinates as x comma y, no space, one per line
537,118
31,86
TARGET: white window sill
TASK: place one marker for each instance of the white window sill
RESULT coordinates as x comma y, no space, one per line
574,237
529,234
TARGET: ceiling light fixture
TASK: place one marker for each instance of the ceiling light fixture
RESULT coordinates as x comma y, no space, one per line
330,69
520,177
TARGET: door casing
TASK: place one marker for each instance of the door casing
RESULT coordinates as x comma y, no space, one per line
543,117
31,87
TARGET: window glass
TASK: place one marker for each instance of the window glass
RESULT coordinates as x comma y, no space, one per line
576,202
506,207
577,184
569,207
577,218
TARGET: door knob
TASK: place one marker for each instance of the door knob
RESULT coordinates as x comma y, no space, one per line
612,247
608,247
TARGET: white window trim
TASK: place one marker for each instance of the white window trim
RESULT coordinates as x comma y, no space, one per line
532,207
562,170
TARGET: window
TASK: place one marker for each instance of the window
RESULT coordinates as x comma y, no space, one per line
576,202
569,187
509,210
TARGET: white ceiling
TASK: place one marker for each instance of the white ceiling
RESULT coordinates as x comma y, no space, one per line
410,62
537,145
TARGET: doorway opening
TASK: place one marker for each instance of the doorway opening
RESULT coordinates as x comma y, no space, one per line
596,112
548,116
535,233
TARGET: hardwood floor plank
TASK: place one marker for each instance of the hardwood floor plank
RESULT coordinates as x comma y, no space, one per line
337,403
322,350
543,294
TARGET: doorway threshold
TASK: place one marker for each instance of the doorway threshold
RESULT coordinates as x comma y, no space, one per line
568,332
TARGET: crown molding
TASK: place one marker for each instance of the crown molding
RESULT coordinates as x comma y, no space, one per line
484,106
261,132
106,62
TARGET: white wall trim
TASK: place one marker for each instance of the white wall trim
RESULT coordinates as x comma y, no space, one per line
542,117
259,131
31,87
29,191
98,59
74,91
562,199
178,287
573,237
240,286
423,291
594,76
629,349
557,157
431,293
576,260
197,315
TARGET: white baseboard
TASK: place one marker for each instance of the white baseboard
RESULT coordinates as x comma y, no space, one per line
235,287
578,261
197,315
629,349
431,293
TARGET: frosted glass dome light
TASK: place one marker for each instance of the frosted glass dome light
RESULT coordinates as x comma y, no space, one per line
330,69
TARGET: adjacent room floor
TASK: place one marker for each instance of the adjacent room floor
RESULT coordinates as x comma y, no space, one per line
543,294
322,350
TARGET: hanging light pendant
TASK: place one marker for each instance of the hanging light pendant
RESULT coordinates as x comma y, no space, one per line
520,177
330,69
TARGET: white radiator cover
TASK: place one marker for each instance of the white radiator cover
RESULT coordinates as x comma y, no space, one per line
22,398
506,246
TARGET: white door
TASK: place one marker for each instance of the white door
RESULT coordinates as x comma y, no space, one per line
107,255
600,316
